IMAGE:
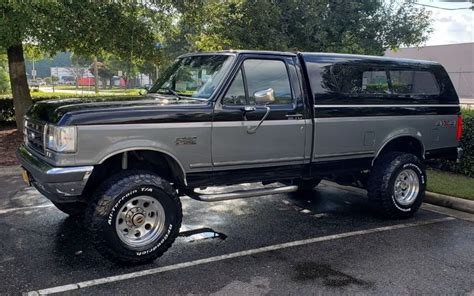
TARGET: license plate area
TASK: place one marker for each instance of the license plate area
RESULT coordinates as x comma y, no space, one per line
26,177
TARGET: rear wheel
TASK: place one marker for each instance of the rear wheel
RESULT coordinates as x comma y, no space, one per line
397,184
134,217
306,186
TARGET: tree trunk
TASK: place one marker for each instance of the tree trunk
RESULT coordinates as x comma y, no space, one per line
19,84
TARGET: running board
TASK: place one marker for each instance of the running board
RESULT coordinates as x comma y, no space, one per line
239,194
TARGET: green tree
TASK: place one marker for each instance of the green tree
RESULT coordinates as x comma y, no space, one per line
84,27
4,80
79,67
351,26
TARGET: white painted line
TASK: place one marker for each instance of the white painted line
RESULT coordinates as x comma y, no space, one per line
9,210
122,277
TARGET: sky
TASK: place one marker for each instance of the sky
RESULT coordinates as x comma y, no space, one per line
450,26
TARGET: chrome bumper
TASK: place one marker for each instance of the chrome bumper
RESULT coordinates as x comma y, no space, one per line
56,183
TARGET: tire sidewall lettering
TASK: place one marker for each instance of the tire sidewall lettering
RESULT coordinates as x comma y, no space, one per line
161,242
118,203
417,169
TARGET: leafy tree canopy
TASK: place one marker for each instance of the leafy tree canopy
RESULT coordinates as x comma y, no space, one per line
124,28
352,26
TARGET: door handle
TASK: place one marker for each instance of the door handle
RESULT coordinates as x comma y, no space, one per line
294,116
248,108
253,130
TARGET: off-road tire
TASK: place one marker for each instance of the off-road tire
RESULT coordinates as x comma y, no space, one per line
381,184
73,209
115,192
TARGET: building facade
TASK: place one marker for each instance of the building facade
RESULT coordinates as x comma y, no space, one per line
458,60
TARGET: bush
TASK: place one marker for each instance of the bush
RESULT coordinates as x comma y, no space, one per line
7,112
466,165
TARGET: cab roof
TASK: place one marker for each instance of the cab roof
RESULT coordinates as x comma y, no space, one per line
324,55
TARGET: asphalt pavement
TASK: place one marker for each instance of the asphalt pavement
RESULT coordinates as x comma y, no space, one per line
327,243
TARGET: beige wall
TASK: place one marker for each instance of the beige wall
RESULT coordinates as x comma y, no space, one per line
457,59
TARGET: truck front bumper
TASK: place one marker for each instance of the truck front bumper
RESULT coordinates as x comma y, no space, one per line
59,184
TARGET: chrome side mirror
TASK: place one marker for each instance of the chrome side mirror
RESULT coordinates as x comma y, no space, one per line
264,97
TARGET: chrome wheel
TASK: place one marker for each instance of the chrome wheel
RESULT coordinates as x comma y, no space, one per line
140,221
407,187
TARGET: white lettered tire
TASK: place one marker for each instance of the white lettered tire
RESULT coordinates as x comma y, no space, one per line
397,184
134,217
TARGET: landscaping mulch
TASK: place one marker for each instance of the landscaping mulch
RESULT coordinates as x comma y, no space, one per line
10,140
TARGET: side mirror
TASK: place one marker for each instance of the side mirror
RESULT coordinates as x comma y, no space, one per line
264,97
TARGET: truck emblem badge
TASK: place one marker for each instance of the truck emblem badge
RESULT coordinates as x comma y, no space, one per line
446,123
186,141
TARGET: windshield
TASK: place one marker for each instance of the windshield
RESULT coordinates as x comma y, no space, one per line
193,76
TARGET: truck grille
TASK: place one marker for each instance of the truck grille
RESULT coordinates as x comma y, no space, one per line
34,134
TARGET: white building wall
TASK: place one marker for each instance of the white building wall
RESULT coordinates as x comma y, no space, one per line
457,59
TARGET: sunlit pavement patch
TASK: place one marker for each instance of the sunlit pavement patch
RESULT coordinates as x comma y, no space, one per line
200,233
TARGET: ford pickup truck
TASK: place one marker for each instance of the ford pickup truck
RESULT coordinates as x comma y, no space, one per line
224,118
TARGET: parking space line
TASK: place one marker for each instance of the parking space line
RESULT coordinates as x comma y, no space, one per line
9,210
122,277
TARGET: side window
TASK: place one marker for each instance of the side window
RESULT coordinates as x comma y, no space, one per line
236,93
264,74
414,83
355,80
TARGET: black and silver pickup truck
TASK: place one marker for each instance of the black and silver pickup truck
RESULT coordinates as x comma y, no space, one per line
231,117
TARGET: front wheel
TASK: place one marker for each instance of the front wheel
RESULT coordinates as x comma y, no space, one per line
397,184
134,217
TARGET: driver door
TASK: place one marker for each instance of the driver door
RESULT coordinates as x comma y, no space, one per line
238,141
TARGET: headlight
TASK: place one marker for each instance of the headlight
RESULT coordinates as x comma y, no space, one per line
61,138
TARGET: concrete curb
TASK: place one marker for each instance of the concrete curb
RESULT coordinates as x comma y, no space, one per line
450,202
10,170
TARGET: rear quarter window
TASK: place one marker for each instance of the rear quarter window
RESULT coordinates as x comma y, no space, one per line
412,82
360,81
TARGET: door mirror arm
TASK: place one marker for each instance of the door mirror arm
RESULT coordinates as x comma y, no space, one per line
253,130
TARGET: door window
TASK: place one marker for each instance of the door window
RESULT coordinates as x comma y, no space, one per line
264,74
236,93
260,75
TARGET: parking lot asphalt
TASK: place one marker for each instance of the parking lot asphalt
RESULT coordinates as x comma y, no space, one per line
330,243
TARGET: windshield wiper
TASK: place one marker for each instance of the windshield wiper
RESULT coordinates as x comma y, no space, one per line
171,91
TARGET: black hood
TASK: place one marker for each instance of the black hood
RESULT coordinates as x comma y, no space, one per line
119,110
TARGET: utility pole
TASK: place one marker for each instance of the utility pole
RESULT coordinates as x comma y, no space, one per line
33,71
52,80
96,75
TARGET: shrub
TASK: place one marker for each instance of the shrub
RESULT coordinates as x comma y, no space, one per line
466,165
6,103
7,112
